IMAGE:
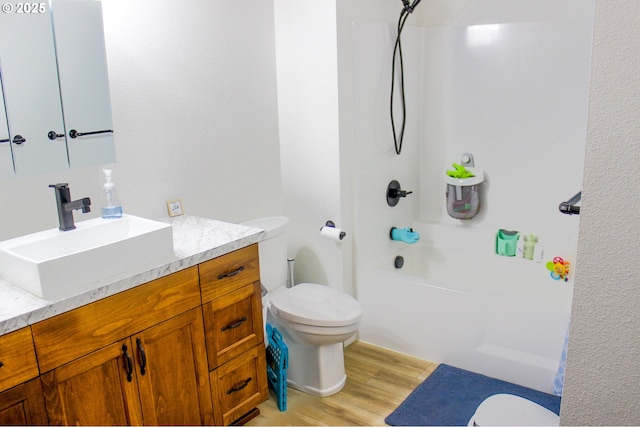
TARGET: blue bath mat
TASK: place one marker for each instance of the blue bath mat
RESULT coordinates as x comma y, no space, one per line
450,396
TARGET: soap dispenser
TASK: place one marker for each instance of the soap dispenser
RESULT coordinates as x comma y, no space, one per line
111,208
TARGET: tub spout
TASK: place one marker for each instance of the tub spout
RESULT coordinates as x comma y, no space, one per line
406,235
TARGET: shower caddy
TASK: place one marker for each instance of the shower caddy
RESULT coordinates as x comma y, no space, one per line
463,198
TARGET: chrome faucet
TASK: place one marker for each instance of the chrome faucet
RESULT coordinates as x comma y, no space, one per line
66,206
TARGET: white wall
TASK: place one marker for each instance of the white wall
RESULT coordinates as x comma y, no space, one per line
515,94
194,101
309,138
602,385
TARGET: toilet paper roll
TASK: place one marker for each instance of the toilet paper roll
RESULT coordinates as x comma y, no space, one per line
332,233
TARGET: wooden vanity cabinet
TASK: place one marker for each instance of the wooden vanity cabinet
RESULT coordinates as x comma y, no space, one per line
94,390
17,358
156,377
144,358
175,388
185,349
23,405
232,309
233,324
21,400
239,385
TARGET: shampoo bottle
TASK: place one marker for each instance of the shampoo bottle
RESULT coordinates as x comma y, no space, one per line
111,208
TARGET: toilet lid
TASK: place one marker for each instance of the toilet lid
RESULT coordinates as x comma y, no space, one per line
511,410
317,305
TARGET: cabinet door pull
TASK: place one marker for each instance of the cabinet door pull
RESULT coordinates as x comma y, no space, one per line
240,387
4,140
234,325
53,135
18,139
74,133
231,273
143,356
128,364
1,364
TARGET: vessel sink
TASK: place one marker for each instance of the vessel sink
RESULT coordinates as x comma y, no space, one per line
52,263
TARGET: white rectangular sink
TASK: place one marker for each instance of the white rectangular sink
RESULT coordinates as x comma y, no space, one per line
52,263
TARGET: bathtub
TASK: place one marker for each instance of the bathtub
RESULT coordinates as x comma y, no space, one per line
498,316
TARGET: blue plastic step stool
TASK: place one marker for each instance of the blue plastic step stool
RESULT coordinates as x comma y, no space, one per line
277,362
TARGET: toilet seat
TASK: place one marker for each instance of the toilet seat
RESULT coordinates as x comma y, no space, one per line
511,410
316,305
328,331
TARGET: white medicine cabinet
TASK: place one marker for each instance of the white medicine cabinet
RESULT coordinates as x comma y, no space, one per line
57,110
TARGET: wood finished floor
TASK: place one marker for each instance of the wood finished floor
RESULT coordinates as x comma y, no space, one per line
378,380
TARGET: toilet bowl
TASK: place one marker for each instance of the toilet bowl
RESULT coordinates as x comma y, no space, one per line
313,319
511,410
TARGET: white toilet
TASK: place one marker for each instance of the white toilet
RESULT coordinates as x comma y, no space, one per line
314,319
511,410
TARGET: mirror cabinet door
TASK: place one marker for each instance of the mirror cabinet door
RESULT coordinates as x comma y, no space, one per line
56,87
31,91
84,83
6,158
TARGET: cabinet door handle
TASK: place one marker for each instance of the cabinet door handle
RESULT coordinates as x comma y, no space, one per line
4,140
240,387
74,133
143,356
53,135
18,139
1,364
231,273
128,364
234,325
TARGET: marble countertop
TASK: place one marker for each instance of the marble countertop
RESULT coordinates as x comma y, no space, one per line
195,240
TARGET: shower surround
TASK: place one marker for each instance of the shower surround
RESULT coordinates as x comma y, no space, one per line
508,82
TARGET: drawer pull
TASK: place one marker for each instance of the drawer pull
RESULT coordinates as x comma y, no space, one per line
128,364
240,387
143,356
231,273
234,325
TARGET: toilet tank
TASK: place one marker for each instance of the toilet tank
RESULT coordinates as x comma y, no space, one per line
272,250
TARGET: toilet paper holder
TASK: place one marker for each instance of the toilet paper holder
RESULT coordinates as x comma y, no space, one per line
332,224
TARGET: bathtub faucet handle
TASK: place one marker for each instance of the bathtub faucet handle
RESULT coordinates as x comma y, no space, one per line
394,192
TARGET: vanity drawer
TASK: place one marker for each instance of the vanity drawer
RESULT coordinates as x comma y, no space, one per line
73,334
229,272
233,324
239,385
17,358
